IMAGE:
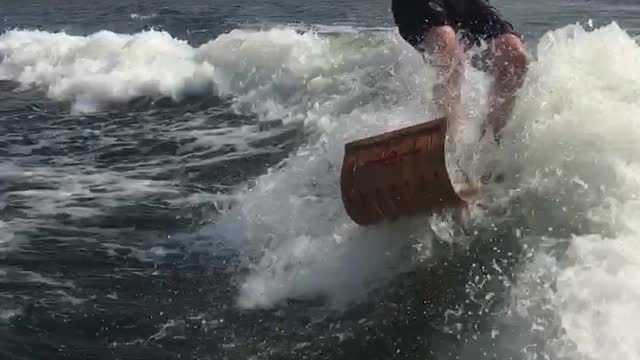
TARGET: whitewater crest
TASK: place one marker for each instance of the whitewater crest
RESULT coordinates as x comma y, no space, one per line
271,73
577,161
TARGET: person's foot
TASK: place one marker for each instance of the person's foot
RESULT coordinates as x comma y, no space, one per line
490,177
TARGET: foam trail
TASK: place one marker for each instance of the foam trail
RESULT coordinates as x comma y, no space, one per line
137,16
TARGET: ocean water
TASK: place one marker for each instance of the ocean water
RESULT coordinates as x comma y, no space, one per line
169,187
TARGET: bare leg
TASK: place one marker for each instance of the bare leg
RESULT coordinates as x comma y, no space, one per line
509,64
448,58
509,68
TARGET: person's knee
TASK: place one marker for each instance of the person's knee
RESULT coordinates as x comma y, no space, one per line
442,39
510,55
443,45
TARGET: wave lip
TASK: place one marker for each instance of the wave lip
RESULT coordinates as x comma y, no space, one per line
102,68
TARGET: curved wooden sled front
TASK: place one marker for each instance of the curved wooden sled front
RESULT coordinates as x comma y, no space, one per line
396,174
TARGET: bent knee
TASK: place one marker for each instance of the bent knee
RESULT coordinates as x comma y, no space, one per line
443,32
509,51
442,39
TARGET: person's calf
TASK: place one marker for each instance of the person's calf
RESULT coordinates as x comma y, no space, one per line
509,60
442,44
509,67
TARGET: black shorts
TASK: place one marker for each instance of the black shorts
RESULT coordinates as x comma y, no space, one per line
476,20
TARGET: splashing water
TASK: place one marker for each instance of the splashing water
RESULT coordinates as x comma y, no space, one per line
570,154
576,157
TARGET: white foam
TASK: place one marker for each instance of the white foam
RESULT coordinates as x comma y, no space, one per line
137,16
68,187
75,193
273,73
7,314
13,274
102,68
578,164
7,237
